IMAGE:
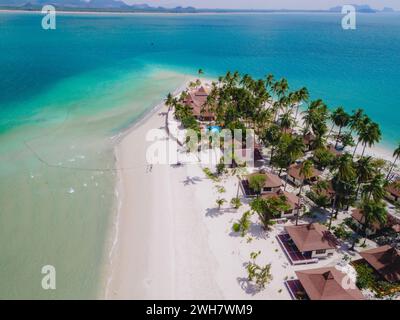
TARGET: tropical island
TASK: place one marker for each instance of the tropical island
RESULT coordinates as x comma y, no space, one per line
315,205
121,6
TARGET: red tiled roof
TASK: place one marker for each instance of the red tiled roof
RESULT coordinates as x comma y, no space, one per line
394,188
294,171
271,180
385,260
396,228
358,215
329,192
197,100
291,199
311,237
328,284
308,138
201,92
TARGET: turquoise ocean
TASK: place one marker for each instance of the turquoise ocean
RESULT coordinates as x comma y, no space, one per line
65,95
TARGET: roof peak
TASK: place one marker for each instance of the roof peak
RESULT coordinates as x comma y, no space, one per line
328,275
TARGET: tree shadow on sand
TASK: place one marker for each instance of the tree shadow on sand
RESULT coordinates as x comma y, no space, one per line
247,286
214,212
257,231
191,180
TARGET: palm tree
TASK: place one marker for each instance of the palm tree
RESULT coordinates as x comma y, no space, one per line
341,119
315,114
302,96
347,140
396,155
295,149
271,137
286,120
269,80
375,189
370,135
360,127
169,101
344,175
268,209
246,81
355,119
343,167
238,172
373,212
365,171
306,172
220,202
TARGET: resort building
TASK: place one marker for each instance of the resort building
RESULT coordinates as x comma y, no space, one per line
393,191
244,153
307,243
197,100
271,185
392,223
292,201
359,220
295,177
385,261
329,192
323,284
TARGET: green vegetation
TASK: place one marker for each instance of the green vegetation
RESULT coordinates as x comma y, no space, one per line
243,224
261,276
341,232
236,203
270,107
368,279
323,158
220,202
268,209
210,175
256,182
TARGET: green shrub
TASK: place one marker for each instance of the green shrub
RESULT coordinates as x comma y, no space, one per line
243,224
365,276
236,203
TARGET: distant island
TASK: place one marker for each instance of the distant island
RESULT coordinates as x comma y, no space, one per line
120,6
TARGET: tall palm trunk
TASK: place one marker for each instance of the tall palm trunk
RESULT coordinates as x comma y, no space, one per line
365,227
332,212
358,189
297,111
353,244
338,137
333,126
298,204
391,168
272,154
362,154
286,178
355,149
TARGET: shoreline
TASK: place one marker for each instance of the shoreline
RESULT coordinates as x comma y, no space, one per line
188,13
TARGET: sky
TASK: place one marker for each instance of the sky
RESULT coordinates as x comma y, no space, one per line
268,4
